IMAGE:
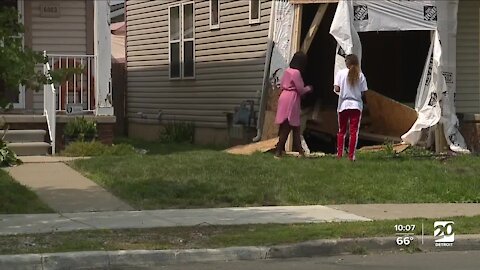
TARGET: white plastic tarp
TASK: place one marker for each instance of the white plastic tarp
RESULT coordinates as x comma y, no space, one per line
436,90
282,35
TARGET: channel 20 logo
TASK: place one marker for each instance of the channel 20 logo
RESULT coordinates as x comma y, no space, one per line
443,234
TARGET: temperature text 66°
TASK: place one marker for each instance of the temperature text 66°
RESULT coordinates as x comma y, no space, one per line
404,240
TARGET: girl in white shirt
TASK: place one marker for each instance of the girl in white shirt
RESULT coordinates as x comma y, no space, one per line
349,85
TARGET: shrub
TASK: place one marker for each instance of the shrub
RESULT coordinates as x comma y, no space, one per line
178,132
7,156
90,149
80,129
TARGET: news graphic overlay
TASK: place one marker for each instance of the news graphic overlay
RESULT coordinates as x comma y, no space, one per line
405,234
444,233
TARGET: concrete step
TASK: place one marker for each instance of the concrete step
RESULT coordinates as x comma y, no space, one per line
18,136
30,148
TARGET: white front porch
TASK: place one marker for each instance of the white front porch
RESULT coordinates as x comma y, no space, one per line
77,95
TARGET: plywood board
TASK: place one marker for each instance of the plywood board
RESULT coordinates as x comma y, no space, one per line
389,117
270,129
326,121
262,146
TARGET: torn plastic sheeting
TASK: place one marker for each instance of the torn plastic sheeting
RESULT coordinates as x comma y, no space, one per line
343,30
282,38
360,16
430,112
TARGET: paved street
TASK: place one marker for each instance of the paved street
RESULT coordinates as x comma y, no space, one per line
439,261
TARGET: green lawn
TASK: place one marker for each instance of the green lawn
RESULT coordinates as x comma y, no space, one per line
18,199
216,236
179,176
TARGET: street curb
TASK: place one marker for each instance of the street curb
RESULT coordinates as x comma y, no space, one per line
148,258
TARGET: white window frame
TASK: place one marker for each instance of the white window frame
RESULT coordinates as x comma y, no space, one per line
217,25
254,21
181,41
176,41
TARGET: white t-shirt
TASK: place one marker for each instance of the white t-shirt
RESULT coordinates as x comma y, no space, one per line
350,97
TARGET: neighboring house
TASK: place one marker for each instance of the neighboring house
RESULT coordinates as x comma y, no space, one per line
72,33
197,60
118,32
185,65
117,12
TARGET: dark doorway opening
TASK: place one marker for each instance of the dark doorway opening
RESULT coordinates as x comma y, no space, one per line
321,57
393,62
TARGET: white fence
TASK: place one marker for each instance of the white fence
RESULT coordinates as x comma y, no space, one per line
79,90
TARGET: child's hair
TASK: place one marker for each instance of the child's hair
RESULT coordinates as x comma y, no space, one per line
299,62
353,65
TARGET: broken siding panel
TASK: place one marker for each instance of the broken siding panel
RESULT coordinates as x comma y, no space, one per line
229,63
63,35
468,87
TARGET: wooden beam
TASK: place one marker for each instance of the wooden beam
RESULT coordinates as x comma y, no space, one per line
297,30
322,8
441,145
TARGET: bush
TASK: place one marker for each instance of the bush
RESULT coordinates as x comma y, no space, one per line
80,129
7,156
90,149
178,132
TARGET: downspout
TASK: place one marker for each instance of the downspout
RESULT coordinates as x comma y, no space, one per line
266,74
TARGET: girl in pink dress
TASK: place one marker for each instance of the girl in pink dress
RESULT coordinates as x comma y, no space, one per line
288,110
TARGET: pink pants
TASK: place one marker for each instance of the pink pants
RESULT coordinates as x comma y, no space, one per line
343,117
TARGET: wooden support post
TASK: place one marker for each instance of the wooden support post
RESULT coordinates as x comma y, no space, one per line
440,141
322,8
296,35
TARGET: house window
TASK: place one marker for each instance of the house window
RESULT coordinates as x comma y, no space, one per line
214,14
182,41
254,11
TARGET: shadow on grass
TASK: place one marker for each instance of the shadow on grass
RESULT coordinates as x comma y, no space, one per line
162,148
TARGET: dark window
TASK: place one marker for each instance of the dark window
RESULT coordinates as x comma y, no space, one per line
254,11
182,41
214,14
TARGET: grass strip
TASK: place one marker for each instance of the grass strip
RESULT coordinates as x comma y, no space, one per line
216,236
189,177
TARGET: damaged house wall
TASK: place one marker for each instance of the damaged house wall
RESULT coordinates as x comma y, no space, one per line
436,91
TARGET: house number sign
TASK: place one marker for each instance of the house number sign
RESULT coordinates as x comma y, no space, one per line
50,9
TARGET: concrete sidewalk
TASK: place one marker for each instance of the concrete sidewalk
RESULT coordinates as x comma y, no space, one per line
62,188
414,210
44,223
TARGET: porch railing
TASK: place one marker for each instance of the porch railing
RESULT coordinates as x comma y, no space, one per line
78,93
49,109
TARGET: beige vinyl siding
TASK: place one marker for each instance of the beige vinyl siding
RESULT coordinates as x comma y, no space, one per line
63,35
468,88
229,63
